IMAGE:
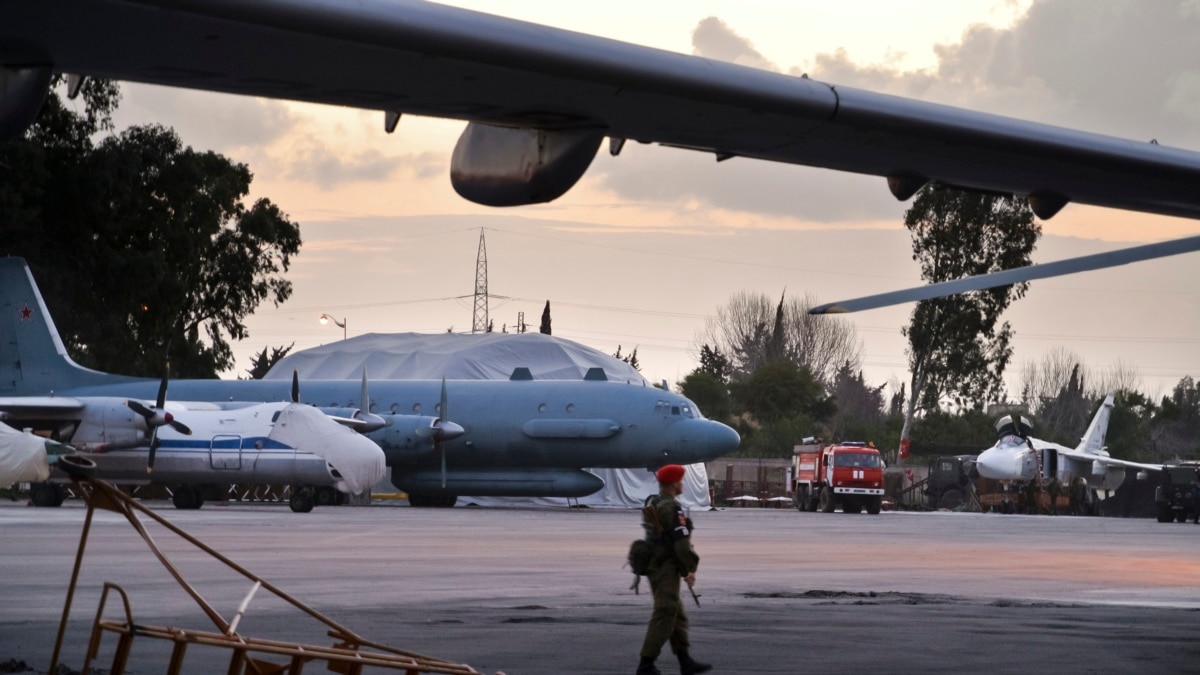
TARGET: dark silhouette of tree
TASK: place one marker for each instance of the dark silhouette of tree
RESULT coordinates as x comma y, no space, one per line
262,362
143,248
631,358
957,346
545,329
715,364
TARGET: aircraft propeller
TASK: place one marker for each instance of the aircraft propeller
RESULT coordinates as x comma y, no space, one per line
441,430
157,417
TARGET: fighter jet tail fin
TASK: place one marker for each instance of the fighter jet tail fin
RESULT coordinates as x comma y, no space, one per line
1093,440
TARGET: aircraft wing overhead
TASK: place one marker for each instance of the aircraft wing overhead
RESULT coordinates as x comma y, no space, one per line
408,56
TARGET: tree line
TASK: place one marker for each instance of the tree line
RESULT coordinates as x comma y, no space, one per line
778,374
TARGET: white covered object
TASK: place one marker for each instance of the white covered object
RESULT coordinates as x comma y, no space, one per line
488,356
478,356
23,457
357,458
623,488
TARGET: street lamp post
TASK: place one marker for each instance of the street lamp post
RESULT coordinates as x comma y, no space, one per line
325,318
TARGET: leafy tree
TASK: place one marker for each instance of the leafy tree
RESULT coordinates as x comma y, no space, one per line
709,393
545,329
750,330
859,406
957,346
143,248
780,390
715,364
263,361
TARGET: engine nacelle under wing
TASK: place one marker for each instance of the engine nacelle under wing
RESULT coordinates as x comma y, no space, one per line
22,91
513,166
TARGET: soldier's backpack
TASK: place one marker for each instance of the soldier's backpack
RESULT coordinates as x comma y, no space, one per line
641,551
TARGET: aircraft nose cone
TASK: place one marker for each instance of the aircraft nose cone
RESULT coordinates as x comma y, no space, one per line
997,465
702,441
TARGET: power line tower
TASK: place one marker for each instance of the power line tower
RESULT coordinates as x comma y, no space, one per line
479,323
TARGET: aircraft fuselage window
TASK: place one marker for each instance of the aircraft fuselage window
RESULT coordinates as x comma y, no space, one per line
416,408
570,407
541,407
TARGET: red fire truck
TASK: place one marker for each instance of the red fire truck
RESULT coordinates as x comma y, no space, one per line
846,474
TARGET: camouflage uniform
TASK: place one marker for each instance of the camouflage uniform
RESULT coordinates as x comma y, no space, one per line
674,558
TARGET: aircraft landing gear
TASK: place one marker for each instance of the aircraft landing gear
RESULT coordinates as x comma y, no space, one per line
188,497
47,494
326,495
301,500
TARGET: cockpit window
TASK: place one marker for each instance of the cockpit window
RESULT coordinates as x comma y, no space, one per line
674,410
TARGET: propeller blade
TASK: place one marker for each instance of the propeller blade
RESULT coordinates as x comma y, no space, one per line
153,449
442,412
364,399
295,386
140,409
180,427
162,388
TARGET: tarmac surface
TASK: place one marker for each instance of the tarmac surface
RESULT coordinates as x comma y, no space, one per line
543,591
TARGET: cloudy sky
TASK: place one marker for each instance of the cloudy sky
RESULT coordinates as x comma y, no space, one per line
649,244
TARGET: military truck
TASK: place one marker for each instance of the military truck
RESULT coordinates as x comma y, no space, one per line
951,481
1172,498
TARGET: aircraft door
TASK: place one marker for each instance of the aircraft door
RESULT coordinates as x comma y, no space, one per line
225,452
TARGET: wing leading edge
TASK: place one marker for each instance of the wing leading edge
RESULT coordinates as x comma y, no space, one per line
408,56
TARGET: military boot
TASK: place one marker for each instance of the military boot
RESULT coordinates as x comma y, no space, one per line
647,667
690,666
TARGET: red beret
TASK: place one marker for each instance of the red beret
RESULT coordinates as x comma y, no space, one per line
671,473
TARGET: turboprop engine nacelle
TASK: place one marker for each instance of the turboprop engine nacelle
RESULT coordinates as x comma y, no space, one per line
362,422
108,424
22,91
513,166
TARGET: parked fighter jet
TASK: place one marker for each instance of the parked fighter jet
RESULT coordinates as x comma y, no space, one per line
540,101
520,437
1018,457
119,440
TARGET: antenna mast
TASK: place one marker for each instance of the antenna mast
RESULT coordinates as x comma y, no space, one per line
479,323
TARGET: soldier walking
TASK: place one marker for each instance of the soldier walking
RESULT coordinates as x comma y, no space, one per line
674,559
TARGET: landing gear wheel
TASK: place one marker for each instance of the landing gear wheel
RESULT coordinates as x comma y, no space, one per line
325,495
302,500
826,501
46,494
187,498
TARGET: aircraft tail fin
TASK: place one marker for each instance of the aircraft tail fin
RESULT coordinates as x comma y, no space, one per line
1093,441
33,359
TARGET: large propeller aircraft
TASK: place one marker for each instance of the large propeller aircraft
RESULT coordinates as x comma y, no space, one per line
517,437
540,101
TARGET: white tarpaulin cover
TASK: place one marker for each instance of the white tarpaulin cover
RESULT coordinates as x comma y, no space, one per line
23,457
488,356
357,458
478,356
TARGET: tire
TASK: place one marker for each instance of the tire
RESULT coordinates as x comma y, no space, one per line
46,494
1165,515
447,501
875,505
802,498
1180,516
826,501
951,499
325,496
187,498
301,501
